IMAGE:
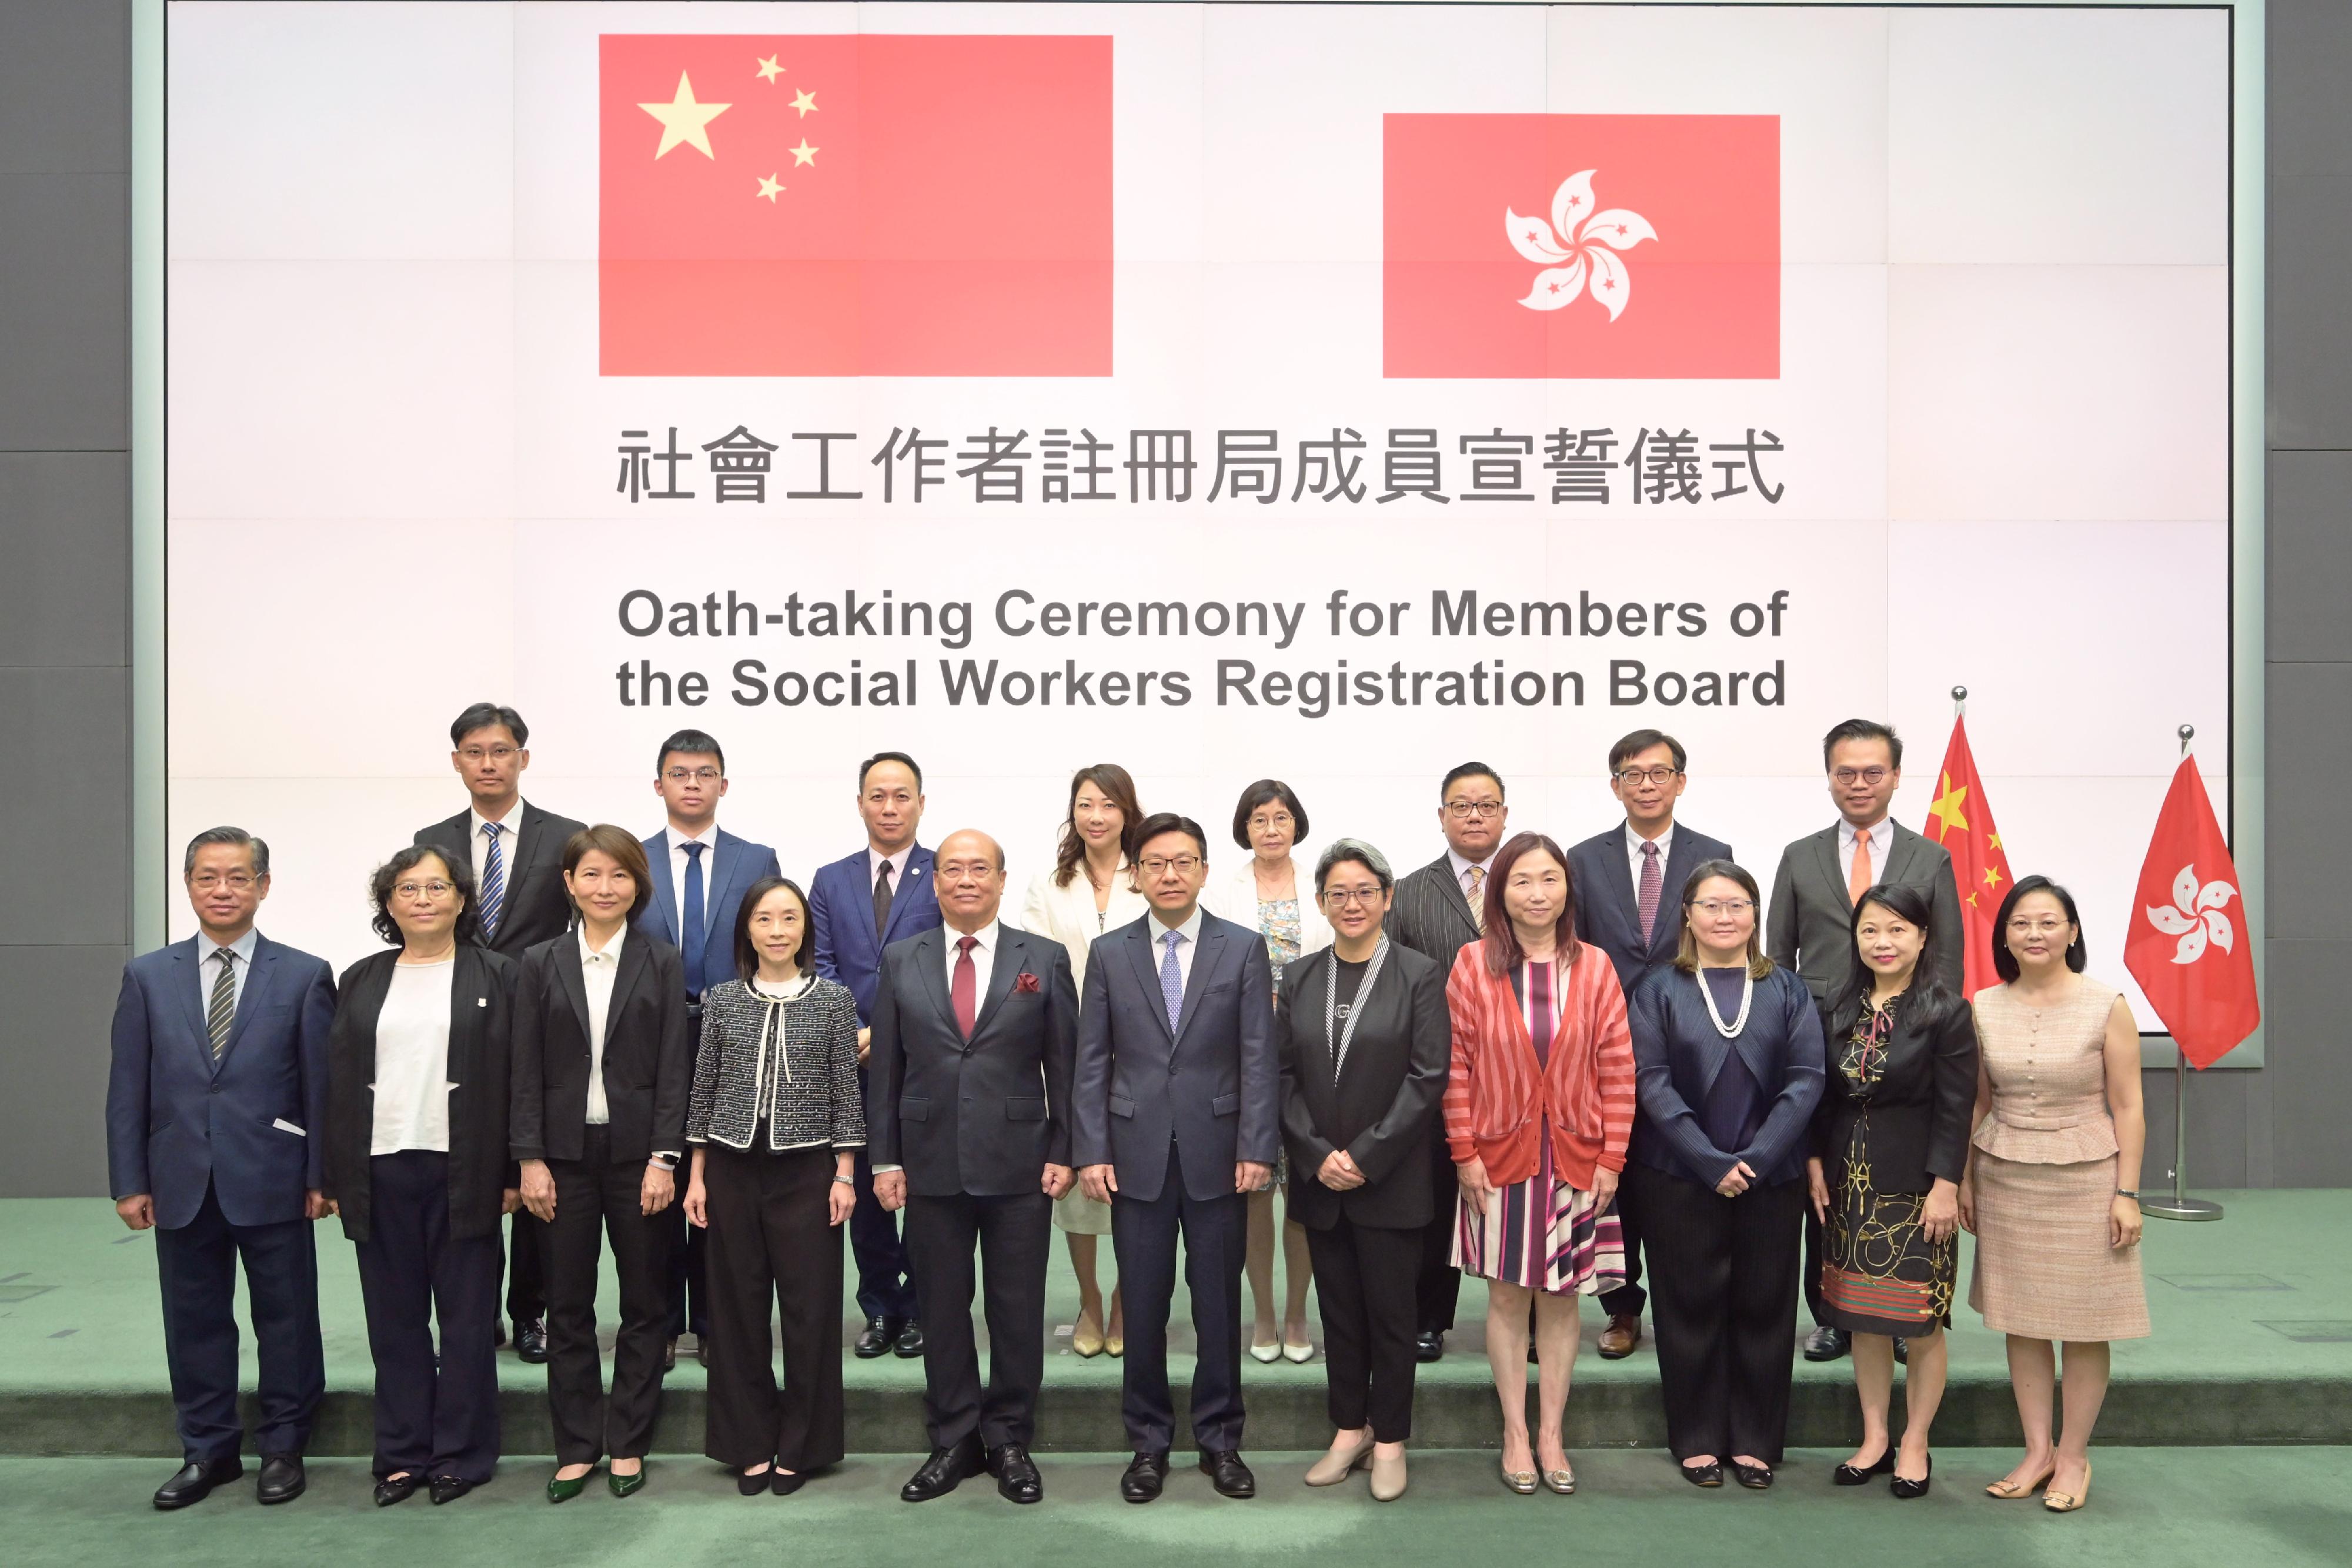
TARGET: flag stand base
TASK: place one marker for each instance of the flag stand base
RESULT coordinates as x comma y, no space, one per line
2179,1208
2180,1204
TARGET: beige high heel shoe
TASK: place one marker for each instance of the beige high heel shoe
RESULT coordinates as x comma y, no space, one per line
2010,1491
1086,1340
1388,1478
2068,1502
1335,1466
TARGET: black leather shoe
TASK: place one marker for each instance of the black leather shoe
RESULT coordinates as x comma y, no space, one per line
1859,1475
1146,1474
450,1488
909,1342
282,1479
196,1481
784,1483
876,1340
1755,1478
702,1350
1226,1472
1827,1344
531,1342
1902,1351
1017,1479
1707,1475
940,1473
1907,1489
669,1355
396,1489
1428,1347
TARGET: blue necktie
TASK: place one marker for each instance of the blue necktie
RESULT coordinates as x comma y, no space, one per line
494,882
1171,981
690,921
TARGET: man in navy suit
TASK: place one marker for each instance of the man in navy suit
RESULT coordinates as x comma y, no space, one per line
1629,889
215,1109
700,872
860,904
1176,1116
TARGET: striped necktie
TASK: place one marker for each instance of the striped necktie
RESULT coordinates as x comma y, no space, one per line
221,1010
494,882
1476,894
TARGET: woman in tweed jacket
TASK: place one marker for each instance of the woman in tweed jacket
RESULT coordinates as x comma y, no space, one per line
773,1121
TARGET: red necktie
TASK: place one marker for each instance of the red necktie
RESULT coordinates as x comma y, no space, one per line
963,987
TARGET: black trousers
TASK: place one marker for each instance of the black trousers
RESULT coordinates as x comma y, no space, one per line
1014,1236
1438,1285
527,1246
197,1265
1628,1298
886,1274
1816,1248
770,1242
596,1198
688,1283
1723,1307
434,1416
1215,1235
1364,1279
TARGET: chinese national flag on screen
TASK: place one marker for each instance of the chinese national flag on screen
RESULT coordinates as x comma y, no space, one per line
2187,947
1697,296
1961,819
862,205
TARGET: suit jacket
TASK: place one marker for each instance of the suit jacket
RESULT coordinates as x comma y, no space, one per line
1678,1053
1213,1083
740,863
983,1115
1430,914
1608,905
250,1126
534,905
1381,1107
1918,1114
841,905
1810,927
481,1023
648,1064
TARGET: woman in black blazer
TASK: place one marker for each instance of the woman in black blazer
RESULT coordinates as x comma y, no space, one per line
602,1066
1890,1146
1365,1043
417,1165
1728,1070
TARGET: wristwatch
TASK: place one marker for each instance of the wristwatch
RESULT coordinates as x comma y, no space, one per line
2121,1192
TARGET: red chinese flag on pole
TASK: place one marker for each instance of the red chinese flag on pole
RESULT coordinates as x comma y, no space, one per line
2188,947
1961,819
854,205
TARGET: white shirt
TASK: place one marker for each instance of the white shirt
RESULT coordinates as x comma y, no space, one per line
510,839
678,864
412,1058
1462,875
1882,839
239,962
1190,933
983,958
1633,843
596,973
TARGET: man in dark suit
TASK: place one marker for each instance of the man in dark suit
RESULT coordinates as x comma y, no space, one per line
699,872
1809,928
517,853
1177,1113
216,1109
1629,889
860,904
1436,913
967,1125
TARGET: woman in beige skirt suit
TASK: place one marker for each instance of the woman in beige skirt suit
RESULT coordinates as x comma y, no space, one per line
2051,1190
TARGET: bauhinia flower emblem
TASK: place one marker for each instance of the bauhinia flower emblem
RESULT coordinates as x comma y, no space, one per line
1578,249
2195,917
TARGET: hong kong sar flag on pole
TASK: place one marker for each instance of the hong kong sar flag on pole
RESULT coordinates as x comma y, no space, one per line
2188,947
854,205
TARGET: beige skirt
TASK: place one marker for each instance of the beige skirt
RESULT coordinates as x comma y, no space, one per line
2043,1268
1079,1215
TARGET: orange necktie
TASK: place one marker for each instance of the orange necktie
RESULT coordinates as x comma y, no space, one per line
1858,881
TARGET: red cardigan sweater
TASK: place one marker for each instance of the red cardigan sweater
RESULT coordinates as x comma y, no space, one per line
1496,1096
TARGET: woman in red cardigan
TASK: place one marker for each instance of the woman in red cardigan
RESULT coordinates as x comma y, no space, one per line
1538,1108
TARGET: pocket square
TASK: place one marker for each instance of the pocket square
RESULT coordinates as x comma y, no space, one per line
1025,983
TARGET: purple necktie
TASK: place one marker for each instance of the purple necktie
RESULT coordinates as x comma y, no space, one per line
1646,897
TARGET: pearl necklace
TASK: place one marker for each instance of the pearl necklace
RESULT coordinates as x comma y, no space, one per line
1746,998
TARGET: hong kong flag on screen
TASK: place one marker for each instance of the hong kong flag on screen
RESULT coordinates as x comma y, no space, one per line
1582,245
854,205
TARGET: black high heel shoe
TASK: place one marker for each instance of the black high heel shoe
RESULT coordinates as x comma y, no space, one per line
1907,1489
752,1483
1850,1475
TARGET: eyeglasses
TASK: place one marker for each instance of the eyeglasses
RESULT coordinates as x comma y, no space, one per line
1661,775
495,754
433,890
1715,907
695,775
1463,810
212,882
1280,821
2049,927
1859,775
1182,865
1346,897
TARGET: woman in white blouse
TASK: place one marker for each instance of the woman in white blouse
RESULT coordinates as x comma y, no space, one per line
1089,892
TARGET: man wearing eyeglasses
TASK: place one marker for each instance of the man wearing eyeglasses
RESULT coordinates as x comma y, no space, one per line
1822,877
700,873
517,853
1630,880
1438,911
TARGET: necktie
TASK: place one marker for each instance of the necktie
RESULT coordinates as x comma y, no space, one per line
964,987
1476,894
1858,880
881,901
1171,981
692,929
494,882
1646,897
221,1011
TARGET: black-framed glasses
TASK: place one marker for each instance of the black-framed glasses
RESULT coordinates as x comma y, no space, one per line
1346,897
1465,809
1629,777
695,775
1182,865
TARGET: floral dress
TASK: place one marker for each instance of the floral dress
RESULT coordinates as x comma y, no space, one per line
1882,1275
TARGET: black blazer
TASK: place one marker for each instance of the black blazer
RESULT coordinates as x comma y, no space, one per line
1430,914
480,1030
648,1058
1382,1108
1608,905
1678,1052
534,905
1919,1112
984,1116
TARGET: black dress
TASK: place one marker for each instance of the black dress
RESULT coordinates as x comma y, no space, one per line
1880,1275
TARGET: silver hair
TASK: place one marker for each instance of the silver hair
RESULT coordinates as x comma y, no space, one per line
1355,850
260,851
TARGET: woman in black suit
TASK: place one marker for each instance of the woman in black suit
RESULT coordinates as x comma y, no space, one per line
1890,1146
1365,1043
1728,1070
602,1066
417,1165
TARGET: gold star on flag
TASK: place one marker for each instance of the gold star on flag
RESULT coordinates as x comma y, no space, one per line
1993,842
1972,901
803,154
806,103
1992,877
685,121
769,70
1947,810
769,188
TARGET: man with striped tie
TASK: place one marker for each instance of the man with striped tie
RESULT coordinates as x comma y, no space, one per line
517,853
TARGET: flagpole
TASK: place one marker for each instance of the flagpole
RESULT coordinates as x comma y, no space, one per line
2181,1205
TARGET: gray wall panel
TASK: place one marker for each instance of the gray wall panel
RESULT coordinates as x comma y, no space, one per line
64,593
53,1037
2310,608
2310,57
2310,724
65,87
67,811
64,313
2310,350
2312,1083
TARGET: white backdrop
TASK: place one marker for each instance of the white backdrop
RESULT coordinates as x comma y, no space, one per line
2003,396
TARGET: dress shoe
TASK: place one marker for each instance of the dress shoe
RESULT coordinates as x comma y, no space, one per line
1521,1482
1298,1352
1561,1480
909,1342
1115,1342
940,1474
450,1488
1017,1479
1827,1343
1388,1478
2057,1501
669,1354
531,1342
1709,1474
626,1485
1902,1351
1339,1463
1859,1475
1085,1341
1428,1345
195,1481
397,1489
784,1483
876,1340
1226,1472
753,1483
1755,1478
1267,1354
560,1490
2009,1491
282,1479
1146,1474
1623,1333
1907,1489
